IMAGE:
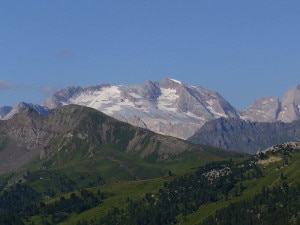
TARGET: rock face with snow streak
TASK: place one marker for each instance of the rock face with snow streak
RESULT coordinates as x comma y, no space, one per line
290,105
168,107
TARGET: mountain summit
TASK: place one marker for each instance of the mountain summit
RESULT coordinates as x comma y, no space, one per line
271,109
173,108
168,107
290,105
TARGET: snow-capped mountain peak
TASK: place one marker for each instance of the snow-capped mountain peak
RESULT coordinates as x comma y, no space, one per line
169,107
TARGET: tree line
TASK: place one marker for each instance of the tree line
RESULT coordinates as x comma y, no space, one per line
276,206
184,195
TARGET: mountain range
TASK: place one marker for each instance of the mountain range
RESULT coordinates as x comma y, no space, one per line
169,107
66,163
77,130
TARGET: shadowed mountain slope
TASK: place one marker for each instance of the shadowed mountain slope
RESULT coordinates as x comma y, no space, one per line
246,136
77,130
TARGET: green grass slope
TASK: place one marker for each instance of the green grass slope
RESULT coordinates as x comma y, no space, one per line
119,175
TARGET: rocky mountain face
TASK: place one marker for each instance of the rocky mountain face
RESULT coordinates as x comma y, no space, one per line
68,129
168,107
271,109
172,108
246,136
263,110
290,109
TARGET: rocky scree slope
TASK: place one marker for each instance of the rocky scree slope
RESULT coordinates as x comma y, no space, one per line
70,129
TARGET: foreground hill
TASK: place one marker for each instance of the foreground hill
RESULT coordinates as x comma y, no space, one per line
78,149
246,136
265,187
74,132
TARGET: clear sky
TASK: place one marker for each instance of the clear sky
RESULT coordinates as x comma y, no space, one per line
242,49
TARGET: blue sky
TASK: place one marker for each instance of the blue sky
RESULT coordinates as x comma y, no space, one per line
242,49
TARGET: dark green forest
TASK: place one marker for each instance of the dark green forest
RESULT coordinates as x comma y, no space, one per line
21,201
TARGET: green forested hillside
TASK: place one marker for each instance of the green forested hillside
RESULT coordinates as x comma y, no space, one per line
263,189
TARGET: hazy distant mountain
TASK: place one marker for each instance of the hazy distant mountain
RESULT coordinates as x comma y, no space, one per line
168,107
7,112
246,136
271,109
263,110
4,111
